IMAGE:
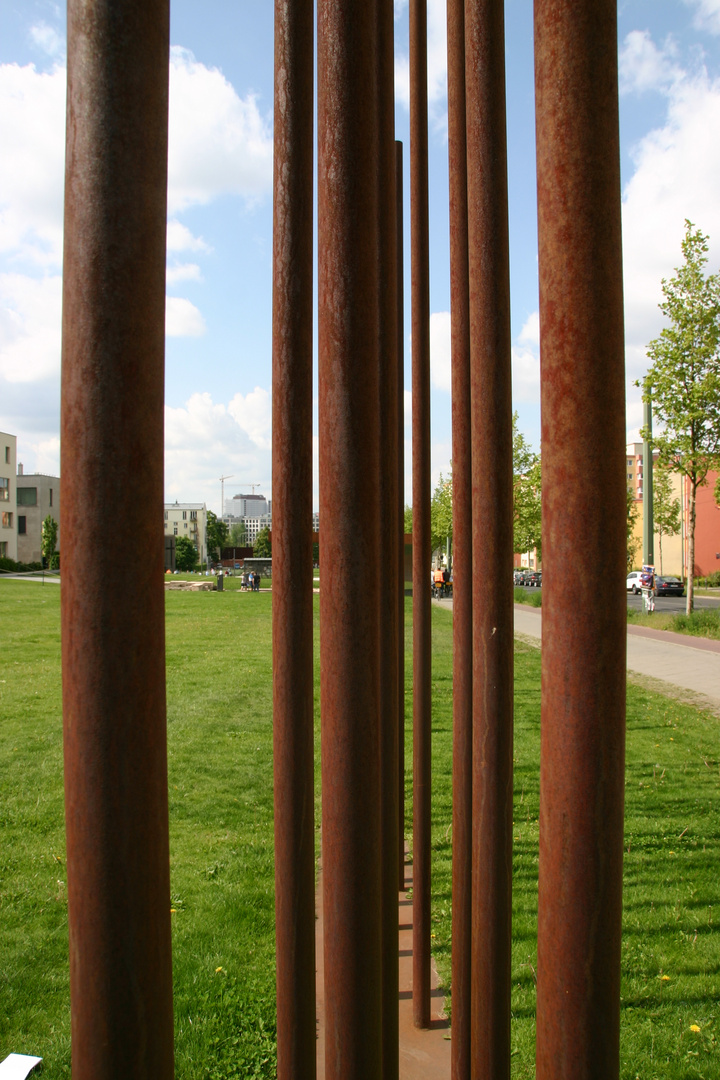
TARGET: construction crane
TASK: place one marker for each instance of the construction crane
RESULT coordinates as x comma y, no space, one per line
222,494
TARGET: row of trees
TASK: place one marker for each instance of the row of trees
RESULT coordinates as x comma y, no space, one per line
219,535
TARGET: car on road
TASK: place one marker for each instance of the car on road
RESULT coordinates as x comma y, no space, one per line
534,579
669,586
519,577
635,581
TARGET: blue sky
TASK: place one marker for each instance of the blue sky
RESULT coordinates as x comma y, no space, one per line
218,381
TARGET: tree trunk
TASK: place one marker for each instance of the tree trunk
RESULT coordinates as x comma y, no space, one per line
691,547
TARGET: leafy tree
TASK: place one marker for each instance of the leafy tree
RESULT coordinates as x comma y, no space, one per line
683,382
48,541
526,494
408,519
238,535
666,510
441,520
217,533
263,547
186,555
633,541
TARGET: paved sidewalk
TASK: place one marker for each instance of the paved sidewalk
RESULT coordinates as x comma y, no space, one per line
691,664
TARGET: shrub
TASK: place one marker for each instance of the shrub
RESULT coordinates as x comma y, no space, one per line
704,622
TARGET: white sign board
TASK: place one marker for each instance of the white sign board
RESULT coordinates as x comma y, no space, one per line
17,1066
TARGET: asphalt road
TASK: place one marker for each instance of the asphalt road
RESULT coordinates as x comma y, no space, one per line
662,603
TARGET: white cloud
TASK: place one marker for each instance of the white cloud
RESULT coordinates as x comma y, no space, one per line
436,63
204,441
179,238
182,318
183,272
47,39
253,413
219,144
44,456
525,375
645,67
30,320
440,350
530,333
707,14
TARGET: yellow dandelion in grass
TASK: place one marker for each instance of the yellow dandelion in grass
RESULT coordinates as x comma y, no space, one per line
665,978
217,969
695,1027
173,911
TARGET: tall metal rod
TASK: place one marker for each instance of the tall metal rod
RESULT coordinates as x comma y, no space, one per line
293,743
113,612
492,547
420,270
648,517
462,548
584,503
349,334
400,512
388,567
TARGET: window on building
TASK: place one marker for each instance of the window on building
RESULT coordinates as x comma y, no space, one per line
7,520
4,489
185,525
51,496
193,515
26,496
184,515
166,515
7,455
175,530
3,549
22,525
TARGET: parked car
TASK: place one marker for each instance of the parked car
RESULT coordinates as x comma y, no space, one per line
519,577
636,580
669,586
534,579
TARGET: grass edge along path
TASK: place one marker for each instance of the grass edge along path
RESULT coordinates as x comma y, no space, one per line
219,730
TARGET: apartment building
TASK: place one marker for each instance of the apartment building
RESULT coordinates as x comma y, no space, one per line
8,525
190,520
38,497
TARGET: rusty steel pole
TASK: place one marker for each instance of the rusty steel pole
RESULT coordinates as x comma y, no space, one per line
113,612
492,538
389,584
583,445
349,334
400,511
293,739
462,548
422,675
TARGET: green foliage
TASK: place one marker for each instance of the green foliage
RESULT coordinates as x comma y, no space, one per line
527,482
49,538
633,541
705,622
186,555
441,519
407,519
683,382
238,535
217,534
533,597
18,567
666,510
263,547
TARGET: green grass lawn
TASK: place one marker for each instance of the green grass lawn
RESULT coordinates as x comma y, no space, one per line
220,783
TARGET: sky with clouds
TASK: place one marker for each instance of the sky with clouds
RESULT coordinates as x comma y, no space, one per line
219,273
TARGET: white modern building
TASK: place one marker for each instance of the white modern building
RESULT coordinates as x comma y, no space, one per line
38,497
240,507
190,520
8,501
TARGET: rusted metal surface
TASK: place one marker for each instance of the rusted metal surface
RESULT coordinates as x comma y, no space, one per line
420,274
583,438
491,538
400,510
292,540
388,568
349,330
113,616
462,548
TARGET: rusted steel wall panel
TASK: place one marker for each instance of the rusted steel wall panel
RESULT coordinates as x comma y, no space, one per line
583,444
462,547
349,330
420,274
292,616
492,537
113,613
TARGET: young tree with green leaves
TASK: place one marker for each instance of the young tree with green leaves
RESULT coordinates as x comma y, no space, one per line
683,383
633,541
666,510
186,555
217,534
526,494
48,541
263,547
238,535
441,519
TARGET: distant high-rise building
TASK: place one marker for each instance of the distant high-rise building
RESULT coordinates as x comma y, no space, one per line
246,506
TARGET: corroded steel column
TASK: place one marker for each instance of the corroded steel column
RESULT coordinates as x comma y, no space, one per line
462,548
492,539
292,540
113,613
422,687
387,562
583,444
400,512
349,330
